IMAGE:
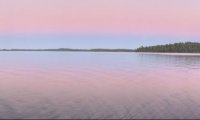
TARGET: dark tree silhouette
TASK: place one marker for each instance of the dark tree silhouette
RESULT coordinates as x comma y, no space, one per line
187,47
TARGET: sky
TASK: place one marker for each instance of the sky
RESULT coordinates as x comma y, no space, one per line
97,23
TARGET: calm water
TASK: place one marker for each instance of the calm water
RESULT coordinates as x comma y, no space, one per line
98,85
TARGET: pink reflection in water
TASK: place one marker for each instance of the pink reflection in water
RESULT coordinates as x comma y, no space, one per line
99,92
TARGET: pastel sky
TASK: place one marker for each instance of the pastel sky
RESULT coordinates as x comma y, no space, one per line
97,23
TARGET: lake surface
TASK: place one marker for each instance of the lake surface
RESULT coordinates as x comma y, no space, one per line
99,85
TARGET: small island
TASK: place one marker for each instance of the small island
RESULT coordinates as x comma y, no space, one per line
186,47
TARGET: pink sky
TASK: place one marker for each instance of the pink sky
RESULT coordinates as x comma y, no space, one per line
129,17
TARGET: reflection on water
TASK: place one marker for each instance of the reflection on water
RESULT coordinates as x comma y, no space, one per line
185,62
98,85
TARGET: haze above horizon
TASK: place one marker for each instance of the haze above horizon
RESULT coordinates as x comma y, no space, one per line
86,24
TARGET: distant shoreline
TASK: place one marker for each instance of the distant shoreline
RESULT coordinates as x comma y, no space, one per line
176,48
69,50
101,50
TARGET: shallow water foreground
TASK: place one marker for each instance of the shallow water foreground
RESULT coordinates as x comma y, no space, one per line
99,85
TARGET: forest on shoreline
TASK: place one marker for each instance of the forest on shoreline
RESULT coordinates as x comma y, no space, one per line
186,47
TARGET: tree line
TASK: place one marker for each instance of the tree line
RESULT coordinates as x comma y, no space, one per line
187,47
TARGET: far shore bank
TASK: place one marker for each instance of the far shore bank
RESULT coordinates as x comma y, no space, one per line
162,53
102,50
67,50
